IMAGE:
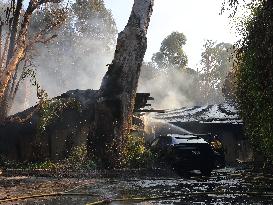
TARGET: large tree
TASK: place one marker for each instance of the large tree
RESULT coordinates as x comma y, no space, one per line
85,44
15,30
117,93
171,53
168,71
92,19
78,56
216,62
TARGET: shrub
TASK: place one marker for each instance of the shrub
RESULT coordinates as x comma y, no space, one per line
255,79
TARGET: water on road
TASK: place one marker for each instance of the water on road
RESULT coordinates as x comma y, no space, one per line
225,186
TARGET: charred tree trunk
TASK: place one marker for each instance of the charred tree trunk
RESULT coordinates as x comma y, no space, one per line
116,96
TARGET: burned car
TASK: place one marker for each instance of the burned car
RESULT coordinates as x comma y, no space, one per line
185,152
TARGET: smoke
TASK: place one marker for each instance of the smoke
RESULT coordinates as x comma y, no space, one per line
63,66
79,67
171,89
72,61
77,59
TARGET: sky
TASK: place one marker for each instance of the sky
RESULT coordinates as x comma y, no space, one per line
197,19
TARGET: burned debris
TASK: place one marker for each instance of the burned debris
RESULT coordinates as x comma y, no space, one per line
222,120
67,129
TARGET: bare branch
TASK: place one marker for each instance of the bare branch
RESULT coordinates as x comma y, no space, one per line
34,4
41,39
15,86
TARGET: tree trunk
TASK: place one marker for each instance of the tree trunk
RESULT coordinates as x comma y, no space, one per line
4,106
17,44
116,96
14,28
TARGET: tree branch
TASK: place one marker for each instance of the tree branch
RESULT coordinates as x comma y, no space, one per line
14,28
21,46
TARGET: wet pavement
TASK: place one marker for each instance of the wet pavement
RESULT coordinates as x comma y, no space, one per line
225,186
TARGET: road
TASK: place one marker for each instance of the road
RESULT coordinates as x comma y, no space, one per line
225,186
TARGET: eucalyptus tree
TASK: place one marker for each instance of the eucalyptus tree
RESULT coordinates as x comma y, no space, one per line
116,96
15,43
216,63
171,53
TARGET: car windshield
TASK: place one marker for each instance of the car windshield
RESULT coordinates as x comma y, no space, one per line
187,137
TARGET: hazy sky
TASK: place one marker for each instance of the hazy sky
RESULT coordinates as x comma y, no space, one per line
197,19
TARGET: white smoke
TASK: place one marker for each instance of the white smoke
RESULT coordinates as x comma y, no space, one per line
74,61
79,62
171,89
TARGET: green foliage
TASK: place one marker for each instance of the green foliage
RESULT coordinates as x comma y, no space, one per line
78,160
52,109
78,155
84,43
229,86
48,19
10,164
42,165
203,86
138,155
30,72
171,52
216,62
93,19
128,152
255,77
49,112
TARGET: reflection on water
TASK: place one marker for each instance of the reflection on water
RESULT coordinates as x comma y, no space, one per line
224,180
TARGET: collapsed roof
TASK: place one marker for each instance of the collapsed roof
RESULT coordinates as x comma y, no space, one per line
221,113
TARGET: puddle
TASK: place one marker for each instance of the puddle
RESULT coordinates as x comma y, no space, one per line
224,180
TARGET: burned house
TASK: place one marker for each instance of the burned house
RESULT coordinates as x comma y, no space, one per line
72,126
222,120
67,123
